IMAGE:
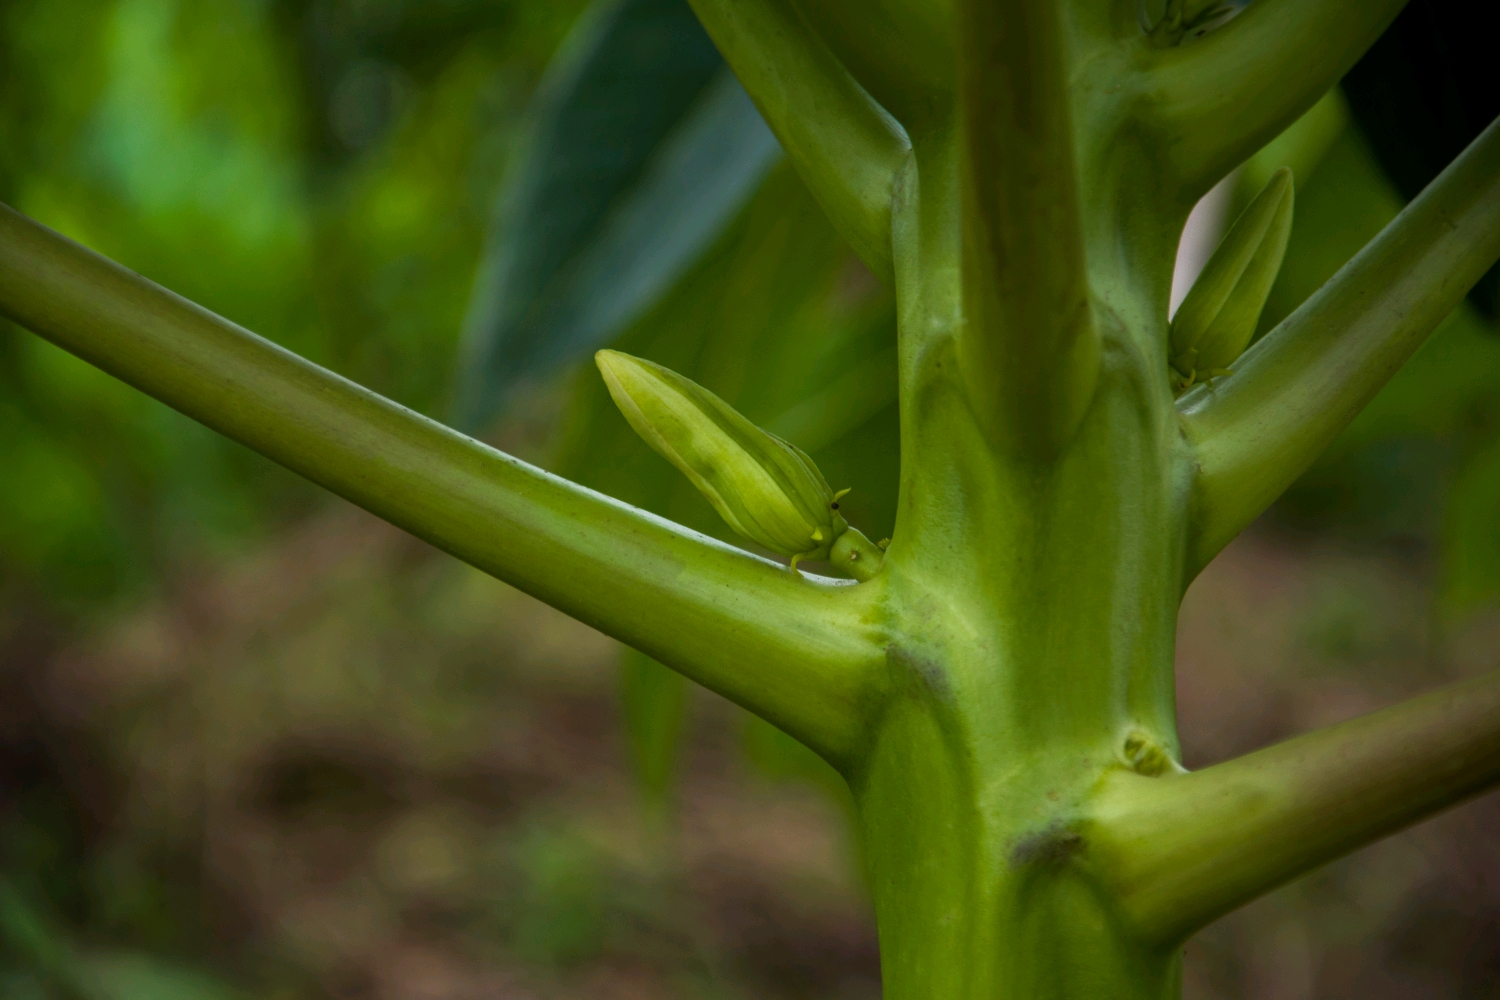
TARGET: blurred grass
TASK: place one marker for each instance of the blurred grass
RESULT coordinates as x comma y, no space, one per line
254,743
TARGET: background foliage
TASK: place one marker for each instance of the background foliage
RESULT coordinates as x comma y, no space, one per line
252,744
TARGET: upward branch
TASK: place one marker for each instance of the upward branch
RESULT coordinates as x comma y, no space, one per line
1029,346
845,146
1298,387
790,649
1182,850
1219,98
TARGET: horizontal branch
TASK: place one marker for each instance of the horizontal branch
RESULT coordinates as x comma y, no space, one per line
844,144
1179,851
1029,346
791,649
1217,99
1292,393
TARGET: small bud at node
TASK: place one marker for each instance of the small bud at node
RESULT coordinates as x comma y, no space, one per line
1214,324
766,489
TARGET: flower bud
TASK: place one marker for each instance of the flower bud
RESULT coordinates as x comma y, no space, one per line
1214,324
765,488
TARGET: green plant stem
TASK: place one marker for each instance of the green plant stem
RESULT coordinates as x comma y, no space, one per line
1178,851
844,144
900,51
1300,385
1000,693
1215,100
794,649
1029,348
1033,609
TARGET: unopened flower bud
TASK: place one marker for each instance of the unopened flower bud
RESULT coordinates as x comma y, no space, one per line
768,490
1214,324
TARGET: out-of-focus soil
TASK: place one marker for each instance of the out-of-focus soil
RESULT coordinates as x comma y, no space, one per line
367,771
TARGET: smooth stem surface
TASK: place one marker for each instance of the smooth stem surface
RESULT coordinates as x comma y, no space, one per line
1179,851
1029,348
843,143
1214,100
898,50
1033,606
790,648
1302,384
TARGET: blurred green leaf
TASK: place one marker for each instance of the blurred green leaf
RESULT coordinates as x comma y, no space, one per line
52,959
1300,148
135,976
643,146
1428,441
779,756
1471,530
782,322
27,938
654,700
52,513
563,916
1422,93
188,139
22,986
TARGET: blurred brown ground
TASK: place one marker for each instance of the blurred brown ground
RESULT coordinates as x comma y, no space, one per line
379,774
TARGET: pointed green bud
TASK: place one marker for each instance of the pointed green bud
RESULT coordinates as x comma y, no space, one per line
765,488
1214,324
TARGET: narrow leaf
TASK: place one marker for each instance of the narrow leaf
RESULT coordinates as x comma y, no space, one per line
654,701
643,148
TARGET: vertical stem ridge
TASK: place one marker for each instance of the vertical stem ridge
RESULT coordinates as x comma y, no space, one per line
1029,347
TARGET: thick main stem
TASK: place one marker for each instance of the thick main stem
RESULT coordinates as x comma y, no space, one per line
1028,343
1035,606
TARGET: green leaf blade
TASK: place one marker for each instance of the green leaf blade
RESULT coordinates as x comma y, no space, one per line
643,148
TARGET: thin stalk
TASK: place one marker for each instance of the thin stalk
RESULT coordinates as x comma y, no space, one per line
843,143
793,649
